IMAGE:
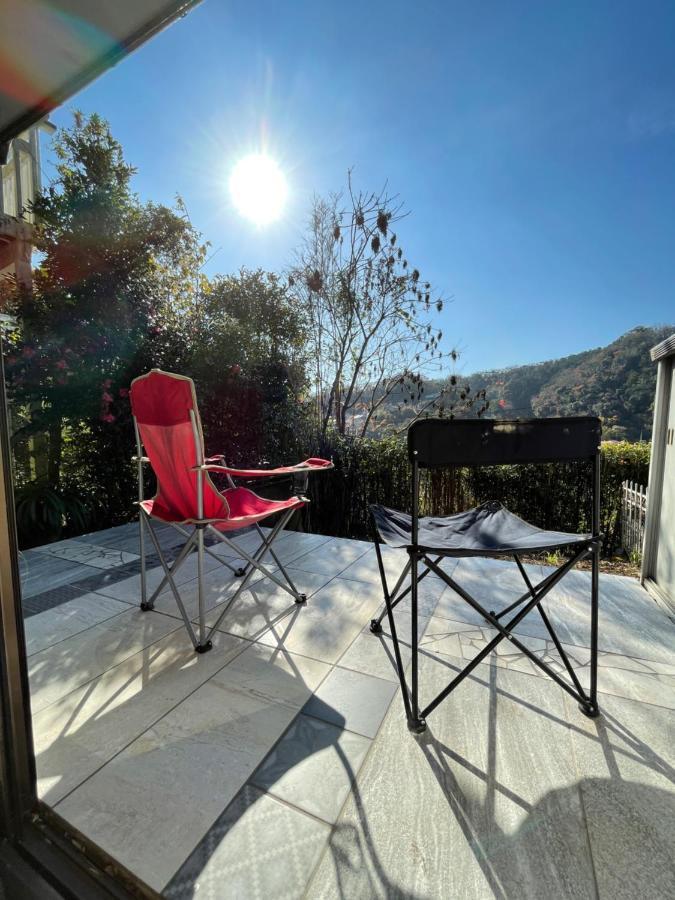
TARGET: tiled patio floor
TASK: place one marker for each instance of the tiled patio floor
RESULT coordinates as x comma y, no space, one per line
280,765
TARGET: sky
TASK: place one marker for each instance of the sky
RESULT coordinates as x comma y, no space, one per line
533,145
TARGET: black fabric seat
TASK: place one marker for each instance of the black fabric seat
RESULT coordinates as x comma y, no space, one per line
488,529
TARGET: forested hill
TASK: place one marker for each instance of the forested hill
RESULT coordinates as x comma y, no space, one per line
616,382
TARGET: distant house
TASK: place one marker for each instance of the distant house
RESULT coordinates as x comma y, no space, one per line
658,564
20,181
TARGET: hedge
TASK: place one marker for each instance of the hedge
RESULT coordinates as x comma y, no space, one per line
554,495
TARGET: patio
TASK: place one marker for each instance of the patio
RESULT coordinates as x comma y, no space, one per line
280,764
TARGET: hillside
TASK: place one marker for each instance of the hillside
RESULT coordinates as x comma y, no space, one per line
615,382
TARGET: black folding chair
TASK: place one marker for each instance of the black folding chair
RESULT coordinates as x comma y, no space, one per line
489,530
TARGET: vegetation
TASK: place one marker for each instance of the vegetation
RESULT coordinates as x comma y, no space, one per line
247,357
616,382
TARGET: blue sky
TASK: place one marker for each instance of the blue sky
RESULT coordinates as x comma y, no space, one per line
533,143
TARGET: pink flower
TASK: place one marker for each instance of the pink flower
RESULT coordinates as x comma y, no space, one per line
61,364
124,392
106,397
108,417
502,403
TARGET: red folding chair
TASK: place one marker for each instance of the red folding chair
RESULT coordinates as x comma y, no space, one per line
169,437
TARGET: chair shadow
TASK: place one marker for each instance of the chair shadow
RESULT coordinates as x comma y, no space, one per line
627,806
508,861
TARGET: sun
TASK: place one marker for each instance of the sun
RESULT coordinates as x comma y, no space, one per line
258,188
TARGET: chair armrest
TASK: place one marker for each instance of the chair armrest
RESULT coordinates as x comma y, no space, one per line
309,465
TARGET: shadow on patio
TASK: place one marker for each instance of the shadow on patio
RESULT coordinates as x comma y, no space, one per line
278,763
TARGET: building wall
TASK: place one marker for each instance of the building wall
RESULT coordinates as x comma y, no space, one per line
19,183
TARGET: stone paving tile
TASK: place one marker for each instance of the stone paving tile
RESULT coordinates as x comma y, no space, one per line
373,654
635,679
41,572
631,623
266,673
257,848
89,554
366,569
108,537
352,700
61,668
150,805
83,730
325,627
258,608
493,767
332,557
313,766
39,603
69,618
129,587
625,767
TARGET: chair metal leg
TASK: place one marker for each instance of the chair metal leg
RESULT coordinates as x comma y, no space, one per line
169,574
394,636
591,709
416,722
172,570
254,561
141,547
203,646
299,598
549,627
506,631
390,600
222,561
254,565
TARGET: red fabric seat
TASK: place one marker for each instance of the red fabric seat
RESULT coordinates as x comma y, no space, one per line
245,508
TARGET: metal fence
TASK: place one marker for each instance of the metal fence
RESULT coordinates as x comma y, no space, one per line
633,513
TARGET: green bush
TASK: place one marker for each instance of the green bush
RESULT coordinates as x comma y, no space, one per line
554,495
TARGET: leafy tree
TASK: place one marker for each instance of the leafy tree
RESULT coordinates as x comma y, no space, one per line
248,360
115,277
370,314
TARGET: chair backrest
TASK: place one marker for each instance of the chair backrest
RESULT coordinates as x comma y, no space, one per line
165,411
433,443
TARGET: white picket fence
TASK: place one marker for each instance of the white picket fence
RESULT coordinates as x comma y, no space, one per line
633,513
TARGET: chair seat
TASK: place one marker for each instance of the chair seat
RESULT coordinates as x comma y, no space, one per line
245,506
486,530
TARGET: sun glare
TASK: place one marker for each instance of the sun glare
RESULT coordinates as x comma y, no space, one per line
258,188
